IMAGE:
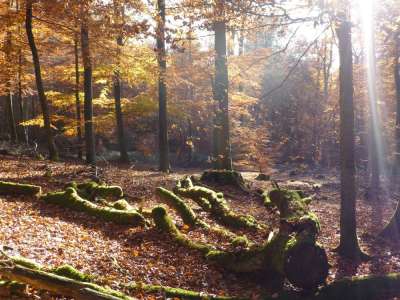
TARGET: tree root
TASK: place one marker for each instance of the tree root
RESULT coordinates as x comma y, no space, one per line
164,223
14,189
71,199
189,217
215,203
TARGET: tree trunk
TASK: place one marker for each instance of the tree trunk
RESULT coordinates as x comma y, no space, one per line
119,11
77,98
162,90
222,151
9,97
348,235
87,87
397,85
39,83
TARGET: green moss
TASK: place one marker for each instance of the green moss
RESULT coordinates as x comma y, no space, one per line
240,241
25,262
71,199
91,189
12,188
187,214
122,204
164,223
70,272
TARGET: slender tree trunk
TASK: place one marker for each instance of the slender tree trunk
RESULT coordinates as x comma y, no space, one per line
87,87
397,85
348,235
119,12
77,98
23,129
222,157
162,90
9,98
39,83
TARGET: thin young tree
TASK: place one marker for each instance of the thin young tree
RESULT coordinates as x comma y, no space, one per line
77,96
119,15
348,246
221,139
162,90
87,86
39,82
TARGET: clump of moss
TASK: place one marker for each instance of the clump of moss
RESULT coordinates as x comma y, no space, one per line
122,204
241,241
70,272
15,189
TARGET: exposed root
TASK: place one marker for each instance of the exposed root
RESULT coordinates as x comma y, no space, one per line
15,189
215,203
71,199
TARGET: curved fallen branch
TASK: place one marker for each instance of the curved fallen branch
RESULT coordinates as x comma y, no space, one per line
15,189
70,198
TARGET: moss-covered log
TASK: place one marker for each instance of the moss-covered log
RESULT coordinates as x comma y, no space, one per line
225,177
90,190
170,292
15,189
215,203
70,198
42,280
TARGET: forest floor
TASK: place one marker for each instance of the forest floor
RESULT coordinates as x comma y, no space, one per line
116,254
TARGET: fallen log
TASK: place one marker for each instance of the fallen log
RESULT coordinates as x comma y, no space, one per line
43,280
15,189
70,198
216,204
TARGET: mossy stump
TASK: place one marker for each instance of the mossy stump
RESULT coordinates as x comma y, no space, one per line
225,177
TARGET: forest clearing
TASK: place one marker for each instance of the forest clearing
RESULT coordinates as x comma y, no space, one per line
195,149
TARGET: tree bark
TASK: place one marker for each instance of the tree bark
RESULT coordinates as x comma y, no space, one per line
162,90
348,235
87,86
222,149
39,83
77,98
